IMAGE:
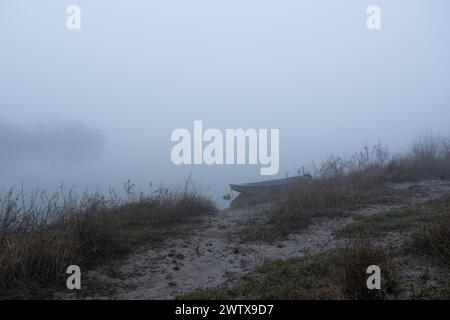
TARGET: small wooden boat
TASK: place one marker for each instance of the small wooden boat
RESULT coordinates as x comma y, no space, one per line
269,186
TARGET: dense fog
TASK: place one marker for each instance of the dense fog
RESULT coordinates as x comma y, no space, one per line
96,107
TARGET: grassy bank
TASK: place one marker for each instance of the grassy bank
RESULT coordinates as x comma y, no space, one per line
417,268
42,235
343,184
425,255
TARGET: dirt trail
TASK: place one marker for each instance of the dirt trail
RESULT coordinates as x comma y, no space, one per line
213,255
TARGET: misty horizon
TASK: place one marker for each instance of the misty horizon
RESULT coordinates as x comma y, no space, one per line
96,107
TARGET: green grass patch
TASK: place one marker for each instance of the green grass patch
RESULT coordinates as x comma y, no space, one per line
149,234
381,223
439,204
338,274
295,278
438,291
264,228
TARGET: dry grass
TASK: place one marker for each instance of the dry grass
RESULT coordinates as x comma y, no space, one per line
340,184
428,158
434,239
41,236
351,263
323,197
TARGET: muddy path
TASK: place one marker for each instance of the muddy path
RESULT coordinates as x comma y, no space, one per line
213,255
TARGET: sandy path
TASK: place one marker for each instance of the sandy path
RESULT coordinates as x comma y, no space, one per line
214,256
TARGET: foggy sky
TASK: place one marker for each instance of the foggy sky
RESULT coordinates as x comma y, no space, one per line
137,70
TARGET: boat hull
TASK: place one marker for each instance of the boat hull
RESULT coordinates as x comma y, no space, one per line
267,186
